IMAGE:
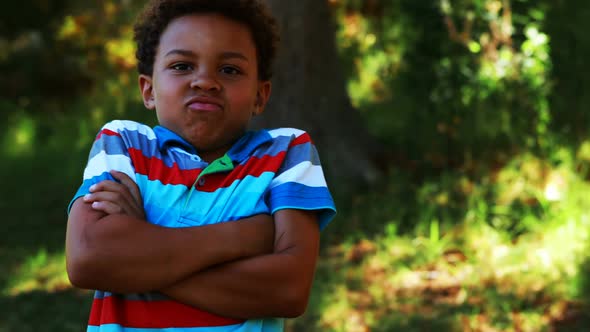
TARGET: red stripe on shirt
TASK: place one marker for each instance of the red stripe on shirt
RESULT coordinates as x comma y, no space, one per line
155,169
106,132
152,314
304,138
255,166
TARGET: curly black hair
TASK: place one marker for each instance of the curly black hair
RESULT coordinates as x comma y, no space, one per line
157,14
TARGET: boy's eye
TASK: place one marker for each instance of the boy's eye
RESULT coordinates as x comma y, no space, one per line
230,70
181,66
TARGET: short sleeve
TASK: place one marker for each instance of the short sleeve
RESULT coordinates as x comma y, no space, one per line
300,182
109,152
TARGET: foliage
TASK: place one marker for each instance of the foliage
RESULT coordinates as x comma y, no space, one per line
41,271
445,82
50,62
568,22
481,169
474,276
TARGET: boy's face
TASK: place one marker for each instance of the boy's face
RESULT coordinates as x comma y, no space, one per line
205,84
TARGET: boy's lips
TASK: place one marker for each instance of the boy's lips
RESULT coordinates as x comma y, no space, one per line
204,104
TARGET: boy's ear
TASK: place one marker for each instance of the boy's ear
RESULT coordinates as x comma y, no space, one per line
147,91
262,96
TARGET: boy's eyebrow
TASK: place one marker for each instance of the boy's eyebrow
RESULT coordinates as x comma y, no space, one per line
224,55
179,52
234,55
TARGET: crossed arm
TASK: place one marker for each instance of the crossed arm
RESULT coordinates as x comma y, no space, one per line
235,269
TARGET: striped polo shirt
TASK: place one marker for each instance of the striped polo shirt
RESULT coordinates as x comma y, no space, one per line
263,172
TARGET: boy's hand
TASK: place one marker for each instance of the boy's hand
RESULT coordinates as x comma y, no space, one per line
112,197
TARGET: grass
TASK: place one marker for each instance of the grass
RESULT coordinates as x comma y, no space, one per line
35,294
473,275
486,283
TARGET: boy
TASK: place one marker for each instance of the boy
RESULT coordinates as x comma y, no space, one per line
149,227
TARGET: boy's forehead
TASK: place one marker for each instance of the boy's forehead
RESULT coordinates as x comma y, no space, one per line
207,28
215,35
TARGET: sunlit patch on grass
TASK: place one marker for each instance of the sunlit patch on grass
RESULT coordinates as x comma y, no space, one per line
474,277
19,139
40,272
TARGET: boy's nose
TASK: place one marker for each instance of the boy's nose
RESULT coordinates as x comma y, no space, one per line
206,82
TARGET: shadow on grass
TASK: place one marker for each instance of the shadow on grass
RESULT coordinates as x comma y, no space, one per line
394,322
576,314
33,199
48,312
415,323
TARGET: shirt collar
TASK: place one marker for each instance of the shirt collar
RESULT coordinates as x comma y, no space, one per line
167,138
239,152
245,146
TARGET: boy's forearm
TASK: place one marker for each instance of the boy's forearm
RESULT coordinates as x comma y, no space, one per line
136,256
257,287
273,285
123,254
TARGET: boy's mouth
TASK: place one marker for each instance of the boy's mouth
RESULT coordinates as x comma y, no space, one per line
204,104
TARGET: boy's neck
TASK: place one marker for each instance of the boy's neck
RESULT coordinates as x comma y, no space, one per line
214,154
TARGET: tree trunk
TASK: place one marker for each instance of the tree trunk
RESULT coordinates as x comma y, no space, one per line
309,93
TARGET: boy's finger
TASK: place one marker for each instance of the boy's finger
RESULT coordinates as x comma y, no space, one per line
118,191
112,197
108,207
117,203
107,185
104,202
115,187
113,203
129,183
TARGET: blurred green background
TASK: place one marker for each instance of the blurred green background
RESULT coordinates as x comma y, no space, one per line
480,220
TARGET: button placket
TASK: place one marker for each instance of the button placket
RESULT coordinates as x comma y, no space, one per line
223,164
